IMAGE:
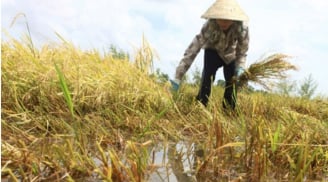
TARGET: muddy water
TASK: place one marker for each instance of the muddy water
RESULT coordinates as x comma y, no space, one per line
171,162
174,162
177,162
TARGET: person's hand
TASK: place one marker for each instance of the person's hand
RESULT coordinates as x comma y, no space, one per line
175,84
240,77
239,71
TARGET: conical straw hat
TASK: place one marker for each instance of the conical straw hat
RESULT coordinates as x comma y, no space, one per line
225,9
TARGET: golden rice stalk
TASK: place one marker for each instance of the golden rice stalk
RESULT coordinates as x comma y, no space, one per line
144,57
263,72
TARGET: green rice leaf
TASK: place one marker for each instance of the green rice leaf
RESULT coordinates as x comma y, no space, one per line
66,92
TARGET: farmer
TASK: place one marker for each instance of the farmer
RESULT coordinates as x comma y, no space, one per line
224,38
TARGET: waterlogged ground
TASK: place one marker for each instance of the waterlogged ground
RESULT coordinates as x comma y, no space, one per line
175,161
170,162
183,161
179,162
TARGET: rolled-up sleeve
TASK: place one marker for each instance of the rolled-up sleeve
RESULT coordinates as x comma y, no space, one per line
191,52
242,46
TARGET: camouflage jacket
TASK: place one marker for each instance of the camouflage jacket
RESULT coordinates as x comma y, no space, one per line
231,46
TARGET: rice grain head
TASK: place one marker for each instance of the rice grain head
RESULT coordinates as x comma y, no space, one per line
265,71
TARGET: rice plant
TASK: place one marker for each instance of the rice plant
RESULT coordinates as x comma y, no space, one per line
264,71
120,113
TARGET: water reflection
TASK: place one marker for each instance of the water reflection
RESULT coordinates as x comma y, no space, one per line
182,162
179,162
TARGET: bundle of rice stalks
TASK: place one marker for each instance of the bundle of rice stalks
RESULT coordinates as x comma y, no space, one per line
263,72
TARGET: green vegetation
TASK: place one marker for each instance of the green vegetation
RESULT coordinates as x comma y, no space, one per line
74,115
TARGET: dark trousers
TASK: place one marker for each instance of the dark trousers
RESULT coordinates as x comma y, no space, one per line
212,61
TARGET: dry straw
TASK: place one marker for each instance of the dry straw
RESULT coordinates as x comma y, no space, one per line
118,109
265,71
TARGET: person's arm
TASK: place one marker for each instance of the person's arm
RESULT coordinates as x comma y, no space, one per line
242,46
191,53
